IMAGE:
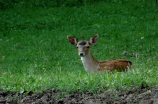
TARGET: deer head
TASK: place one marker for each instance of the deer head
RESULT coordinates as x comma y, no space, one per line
83,46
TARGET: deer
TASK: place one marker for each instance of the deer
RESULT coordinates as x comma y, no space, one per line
92,65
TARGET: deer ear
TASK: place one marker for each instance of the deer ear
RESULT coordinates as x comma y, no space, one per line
72,40
94,39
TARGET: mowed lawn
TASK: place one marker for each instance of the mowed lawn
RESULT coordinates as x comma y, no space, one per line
36,55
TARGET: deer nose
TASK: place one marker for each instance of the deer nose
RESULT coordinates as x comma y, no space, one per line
81,53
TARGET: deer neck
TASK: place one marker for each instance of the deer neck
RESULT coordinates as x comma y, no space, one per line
90,63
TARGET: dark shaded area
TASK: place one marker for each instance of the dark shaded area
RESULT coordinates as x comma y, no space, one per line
83,42
135,96
5,4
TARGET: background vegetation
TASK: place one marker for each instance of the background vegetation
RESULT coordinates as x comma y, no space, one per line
35,54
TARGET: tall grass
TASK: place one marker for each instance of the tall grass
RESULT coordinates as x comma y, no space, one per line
35,54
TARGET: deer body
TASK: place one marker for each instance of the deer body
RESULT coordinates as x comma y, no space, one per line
93,65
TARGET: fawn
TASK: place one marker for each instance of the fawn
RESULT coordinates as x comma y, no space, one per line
93,65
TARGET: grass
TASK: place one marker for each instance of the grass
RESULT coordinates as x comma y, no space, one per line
35,54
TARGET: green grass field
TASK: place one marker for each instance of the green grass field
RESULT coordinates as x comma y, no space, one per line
36,55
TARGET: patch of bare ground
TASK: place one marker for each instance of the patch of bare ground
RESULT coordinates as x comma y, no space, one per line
136,96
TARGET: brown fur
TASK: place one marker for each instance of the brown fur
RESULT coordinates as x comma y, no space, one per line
119,65
112,65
